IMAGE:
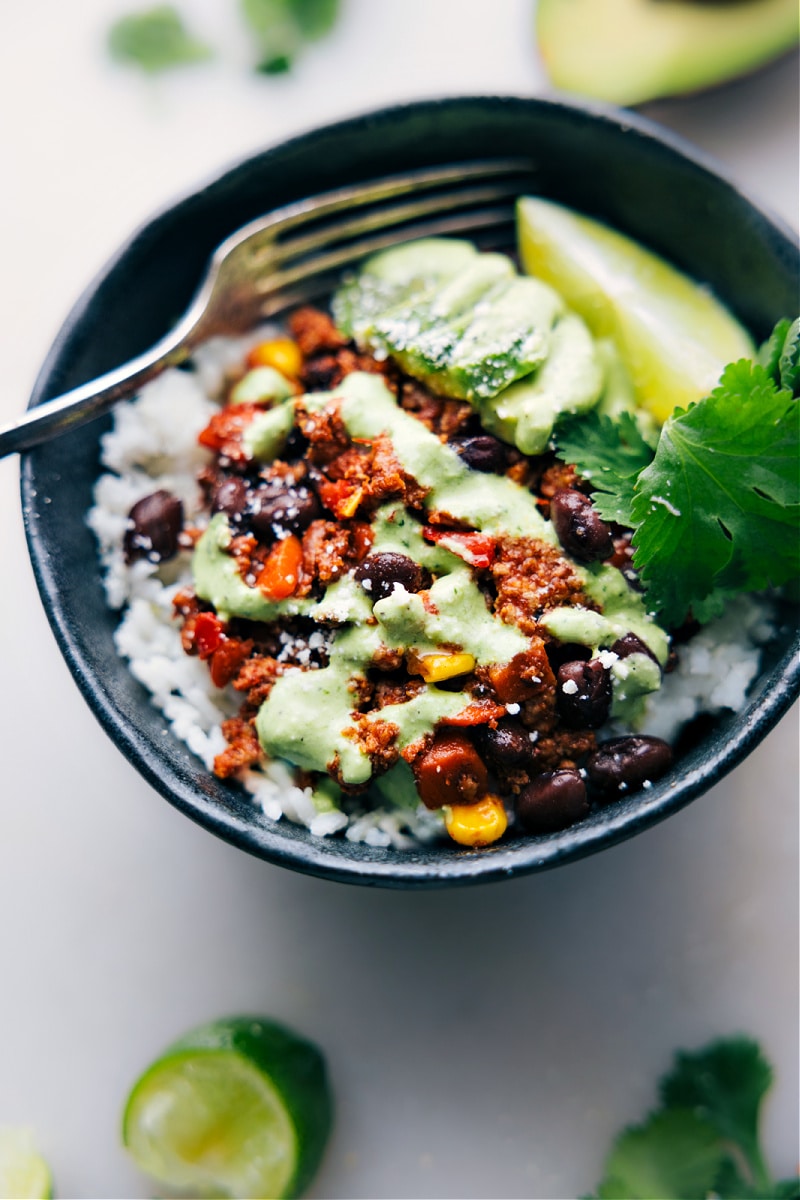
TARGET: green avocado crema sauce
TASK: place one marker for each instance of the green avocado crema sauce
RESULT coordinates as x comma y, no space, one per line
491,503
309,718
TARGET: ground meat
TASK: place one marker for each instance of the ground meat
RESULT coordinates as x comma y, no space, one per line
531,576
387,659
256,677
289,474
243,549
387,480
330,549
243,747
325,431
557,476
562,749
395,690
519,470
376,738
324,372
376,471
314,331
438,414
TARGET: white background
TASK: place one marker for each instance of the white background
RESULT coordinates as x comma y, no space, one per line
482,1043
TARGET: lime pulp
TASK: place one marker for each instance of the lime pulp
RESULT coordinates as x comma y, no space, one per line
238,1108
24,1175
673,335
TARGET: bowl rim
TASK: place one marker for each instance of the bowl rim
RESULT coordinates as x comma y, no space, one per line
311,855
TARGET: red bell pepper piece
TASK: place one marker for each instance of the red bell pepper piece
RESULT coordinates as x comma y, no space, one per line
477,549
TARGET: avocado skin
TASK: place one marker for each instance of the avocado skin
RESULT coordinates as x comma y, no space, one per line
628,52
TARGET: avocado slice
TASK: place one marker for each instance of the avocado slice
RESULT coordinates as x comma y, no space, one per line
463,322
630,51
398,277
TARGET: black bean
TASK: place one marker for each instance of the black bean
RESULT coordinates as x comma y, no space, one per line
379,573
230,497
580,529
482,452
295,446
157,523
583,696
625,764
276,509
559,653
631,644
552,801
509,745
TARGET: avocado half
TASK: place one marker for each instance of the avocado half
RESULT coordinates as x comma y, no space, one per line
630,51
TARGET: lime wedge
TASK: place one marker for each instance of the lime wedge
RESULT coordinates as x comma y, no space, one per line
673,336
239,1108
24,1175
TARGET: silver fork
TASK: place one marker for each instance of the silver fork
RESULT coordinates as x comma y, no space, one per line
267,267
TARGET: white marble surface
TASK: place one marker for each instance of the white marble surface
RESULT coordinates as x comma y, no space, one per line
482,1043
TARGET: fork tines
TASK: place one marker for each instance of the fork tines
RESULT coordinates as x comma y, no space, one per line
466,199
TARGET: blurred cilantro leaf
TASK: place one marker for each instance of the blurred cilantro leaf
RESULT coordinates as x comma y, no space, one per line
724,1084
704,1139
155,40
281,27
672,1154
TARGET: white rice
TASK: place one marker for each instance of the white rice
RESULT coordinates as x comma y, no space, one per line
153,444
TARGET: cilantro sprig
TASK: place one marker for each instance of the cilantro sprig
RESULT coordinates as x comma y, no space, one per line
610,454
281,27
158,39
154,40
703,1140
715,510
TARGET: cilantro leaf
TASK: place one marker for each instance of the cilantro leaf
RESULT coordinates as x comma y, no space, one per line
609,454
155,40
724,1084
674,1153
780,355
789,359
315,18
718,509
704,1139
769,353
280,28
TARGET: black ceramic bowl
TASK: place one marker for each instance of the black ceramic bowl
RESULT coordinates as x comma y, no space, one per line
616,166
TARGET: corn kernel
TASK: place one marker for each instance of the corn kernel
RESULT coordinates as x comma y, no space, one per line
435,667
476,824
281,353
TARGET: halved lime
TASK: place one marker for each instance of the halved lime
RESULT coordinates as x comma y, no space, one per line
240,1107
24,1175
673,335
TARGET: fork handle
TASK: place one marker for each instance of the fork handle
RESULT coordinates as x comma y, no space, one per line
82,404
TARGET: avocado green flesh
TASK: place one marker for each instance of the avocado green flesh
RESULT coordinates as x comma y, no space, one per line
398,278
473,329
631,51
308,718
570,381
